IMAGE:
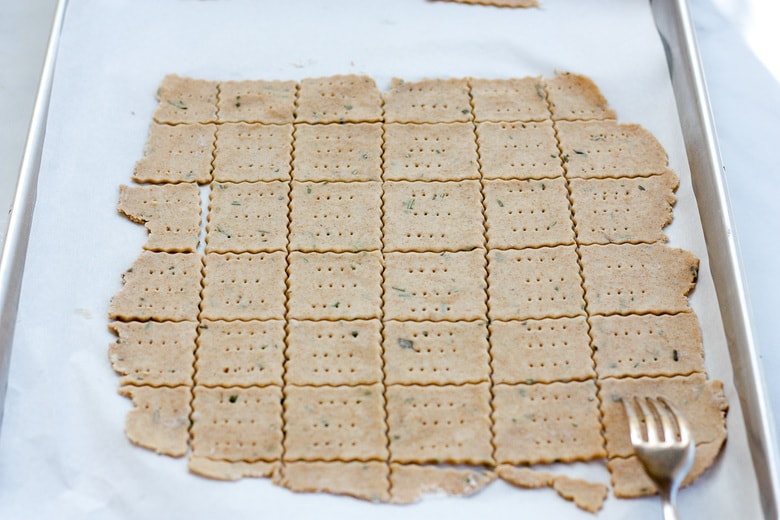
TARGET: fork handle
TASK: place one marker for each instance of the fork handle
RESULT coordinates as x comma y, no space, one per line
670,512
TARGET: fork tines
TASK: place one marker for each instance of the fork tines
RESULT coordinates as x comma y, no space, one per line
660,421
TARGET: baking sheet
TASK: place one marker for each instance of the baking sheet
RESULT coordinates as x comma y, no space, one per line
62,450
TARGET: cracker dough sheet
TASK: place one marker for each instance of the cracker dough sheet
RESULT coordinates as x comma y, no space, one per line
459,272
63,432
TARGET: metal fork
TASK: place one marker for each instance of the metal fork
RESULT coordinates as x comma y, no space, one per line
662,441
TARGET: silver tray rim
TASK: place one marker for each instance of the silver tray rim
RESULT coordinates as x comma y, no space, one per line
14,250
675,28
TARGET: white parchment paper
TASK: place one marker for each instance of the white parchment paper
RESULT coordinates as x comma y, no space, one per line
63,453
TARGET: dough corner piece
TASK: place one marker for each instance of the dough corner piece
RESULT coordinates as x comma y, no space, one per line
364,480
629,479
586,495
231,470
499,3
409,483
576,97
161,418
701,401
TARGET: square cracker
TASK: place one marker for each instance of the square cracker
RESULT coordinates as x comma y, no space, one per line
160,418
248,217
333,352
171,213
516,99
336,216
518,150
540,350
611,211
573,97
152,353
253,152
435,286
186,100
439,152
647,345
608,149
332,286
257,101
237,424
410,482
177,153
439,424
364,480
701,402
246,286
637,278
432,216
345,423
534,283
544,423
160,287
427,101
338,152
527,213
240,353
338,99
437,353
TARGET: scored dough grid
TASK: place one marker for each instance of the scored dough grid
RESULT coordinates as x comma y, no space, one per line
454,274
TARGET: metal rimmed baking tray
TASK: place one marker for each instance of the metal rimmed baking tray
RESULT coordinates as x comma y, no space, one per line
675,29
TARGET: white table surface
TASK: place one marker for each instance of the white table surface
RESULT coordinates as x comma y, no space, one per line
745,99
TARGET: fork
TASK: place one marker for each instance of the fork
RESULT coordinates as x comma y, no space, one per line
662,441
